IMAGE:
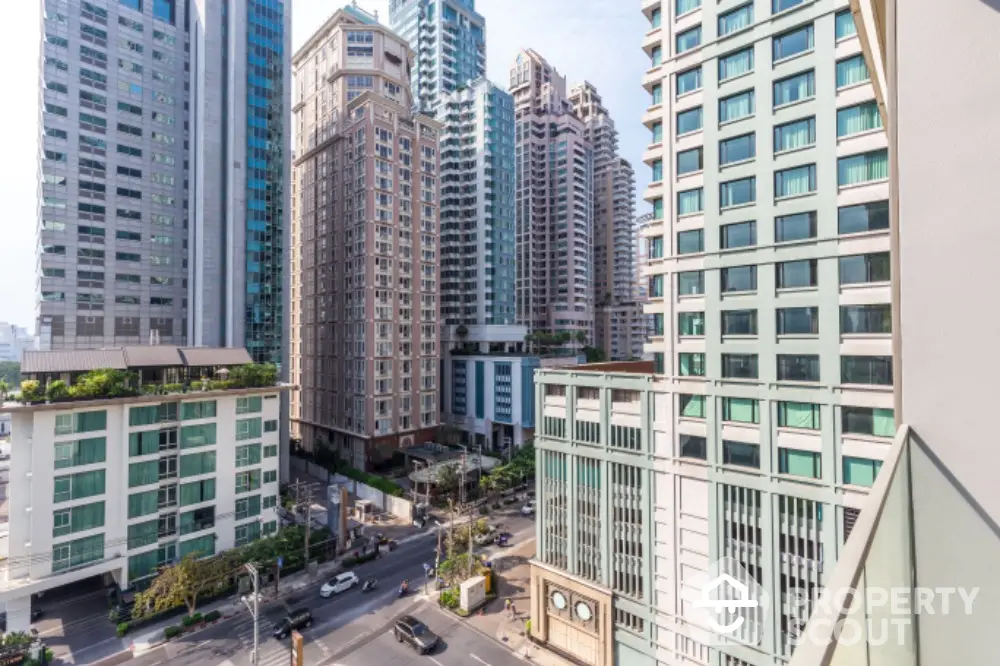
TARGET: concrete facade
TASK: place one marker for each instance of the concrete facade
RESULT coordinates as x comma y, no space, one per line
554,161
367,286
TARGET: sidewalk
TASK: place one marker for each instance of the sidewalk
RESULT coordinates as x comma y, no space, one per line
514,576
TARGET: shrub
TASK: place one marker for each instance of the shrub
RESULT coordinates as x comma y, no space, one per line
212,616
221,384
173,388
450,598
191,620
31,390
56,391
171,631
122,629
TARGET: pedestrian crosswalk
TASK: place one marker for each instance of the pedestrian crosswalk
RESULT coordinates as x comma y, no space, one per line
272,652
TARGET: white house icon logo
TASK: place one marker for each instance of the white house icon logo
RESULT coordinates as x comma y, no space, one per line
712,597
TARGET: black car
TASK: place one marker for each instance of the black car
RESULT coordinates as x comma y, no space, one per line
295,620
411,630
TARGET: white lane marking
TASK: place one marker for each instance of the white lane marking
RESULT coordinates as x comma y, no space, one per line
74,653
435,660
479,660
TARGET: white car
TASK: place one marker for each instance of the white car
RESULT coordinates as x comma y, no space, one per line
529,508
338,584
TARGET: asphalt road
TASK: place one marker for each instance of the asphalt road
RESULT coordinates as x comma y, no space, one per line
350,621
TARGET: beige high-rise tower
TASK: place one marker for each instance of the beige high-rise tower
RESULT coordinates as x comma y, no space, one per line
365,286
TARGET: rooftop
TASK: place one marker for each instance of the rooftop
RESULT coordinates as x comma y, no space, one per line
124,358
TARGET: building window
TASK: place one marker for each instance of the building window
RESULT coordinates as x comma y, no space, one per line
656,56
800,226
859,218
657,94
657,133
735,64
795,181
689,39
737,192
873,370
689,324
625,437
741,234
741,410
736,107
554,427
198,410
799,463
797,274
864,168
692,446
689,121
870,421
658,209
249,404
656,286
68,424
690,241
690,202
739,366
78,486
865,268
794,89
798,321
782,5
870,319
845,25
739,278
798,367
737,149
657,168
77,553
861,471
795,135
655,247
690,283
857,119
742,454
803,415
655,18
852,71
658,323
689,161
78,519
81,452
686,6
691,406
739,322
735,20
659,363
689,81
792,43
691,365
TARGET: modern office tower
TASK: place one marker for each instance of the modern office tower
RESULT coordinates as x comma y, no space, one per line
113,223
239,170
929,523
13,341
367,172
554,203
119,486
769,285
163,165
449,41
618,328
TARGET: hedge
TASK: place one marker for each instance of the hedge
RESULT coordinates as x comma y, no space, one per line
212,616
377,482
171,631
191,620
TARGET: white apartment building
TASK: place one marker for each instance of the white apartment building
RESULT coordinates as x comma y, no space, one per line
13,341
116,487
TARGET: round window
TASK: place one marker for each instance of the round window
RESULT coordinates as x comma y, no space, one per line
559,600
583,612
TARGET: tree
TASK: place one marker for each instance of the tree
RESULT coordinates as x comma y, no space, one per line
183,583
489,484
10,372
581,337
594,354
447,478
4,389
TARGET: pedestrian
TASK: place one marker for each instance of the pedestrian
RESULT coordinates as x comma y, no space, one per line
513,611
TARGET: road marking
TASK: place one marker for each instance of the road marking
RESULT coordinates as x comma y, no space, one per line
479,660
435,660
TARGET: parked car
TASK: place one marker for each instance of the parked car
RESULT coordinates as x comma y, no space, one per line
339,583
409,629
294,621
528,509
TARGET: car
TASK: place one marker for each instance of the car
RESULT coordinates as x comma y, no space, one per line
528,509
339,583
409,629
294,621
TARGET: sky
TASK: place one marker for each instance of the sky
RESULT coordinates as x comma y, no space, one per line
594,40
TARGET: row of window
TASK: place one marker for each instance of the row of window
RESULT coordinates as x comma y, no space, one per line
866,370
868,421
871,268
854,319
794,462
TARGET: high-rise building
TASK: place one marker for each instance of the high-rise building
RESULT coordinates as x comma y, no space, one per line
770,405
367,284
240,167
554,203
618,328
14,340
163,209
449,41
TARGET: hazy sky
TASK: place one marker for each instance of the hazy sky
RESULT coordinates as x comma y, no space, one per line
596,40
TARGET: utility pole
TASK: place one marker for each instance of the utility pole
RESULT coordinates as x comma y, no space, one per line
451,517
253,609
309,501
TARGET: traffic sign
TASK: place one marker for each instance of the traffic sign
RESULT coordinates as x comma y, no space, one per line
281,561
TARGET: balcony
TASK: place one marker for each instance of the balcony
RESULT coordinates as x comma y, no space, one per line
921,531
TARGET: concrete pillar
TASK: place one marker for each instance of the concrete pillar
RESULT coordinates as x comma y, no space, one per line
19,614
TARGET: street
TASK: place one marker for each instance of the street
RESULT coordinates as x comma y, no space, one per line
348,626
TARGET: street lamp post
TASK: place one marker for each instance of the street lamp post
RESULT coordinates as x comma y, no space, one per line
254,577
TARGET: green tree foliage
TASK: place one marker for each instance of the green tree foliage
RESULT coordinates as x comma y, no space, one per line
10,372
594,354
183,583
